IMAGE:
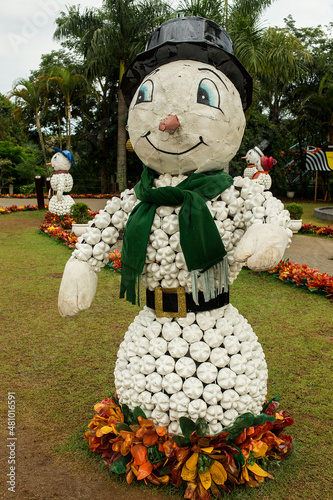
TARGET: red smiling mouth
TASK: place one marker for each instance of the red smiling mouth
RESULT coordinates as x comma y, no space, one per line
201,141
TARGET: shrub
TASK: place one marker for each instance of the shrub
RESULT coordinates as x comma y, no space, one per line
80,213
295,210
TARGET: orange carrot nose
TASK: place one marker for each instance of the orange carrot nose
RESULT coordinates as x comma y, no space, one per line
170,124
48,163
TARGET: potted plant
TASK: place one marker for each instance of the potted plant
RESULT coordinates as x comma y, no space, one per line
80,216
296,211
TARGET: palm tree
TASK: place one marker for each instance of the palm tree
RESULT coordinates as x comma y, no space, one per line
72,86
110,38
31,96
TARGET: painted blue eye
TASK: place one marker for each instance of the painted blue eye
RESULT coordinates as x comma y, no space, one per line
208,93
146,92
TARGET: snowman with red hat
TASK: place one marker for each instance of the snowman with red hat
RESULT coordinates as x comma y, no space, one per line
61,182
259,165
188,229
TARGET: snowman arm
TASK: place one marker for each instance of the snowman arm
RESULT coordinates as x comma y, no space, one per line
262,246
91,253
60,187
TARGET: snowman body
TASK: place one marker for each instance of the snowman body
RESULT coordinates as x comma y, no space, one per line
255,171
63,184
207,364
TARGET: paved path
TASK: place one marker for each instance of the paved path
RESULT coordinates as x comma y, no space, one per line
315,252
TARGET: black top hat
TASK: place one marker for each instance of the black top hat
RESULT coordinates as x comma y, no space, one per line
193,38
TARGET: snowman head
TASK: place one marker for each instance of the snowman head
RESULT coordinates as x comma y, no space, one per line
62,160
186,98
253,157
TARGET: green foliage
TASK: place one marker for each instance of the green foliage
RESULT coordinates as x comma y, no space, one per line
79,213
295,210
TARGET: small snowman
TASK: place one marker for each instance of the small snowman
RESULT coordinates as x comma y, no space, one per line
61,182
188,230
259,165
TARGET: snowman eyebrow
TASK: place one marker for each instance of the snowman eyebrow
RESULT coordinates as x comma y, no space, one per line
207,69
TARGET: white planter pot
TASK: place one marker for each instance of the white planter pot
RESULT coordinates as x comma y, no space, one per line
79,229
290,194
295,225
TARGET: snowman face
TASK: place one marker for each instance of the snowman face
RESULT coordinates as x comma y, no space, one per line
253,158
186,116
60,162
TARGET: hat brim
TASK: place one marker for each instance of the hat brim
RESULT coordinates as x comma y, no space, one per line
204,52
57,150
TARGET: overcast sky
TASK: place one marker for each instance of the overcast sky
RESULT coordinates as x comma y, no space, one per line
27,27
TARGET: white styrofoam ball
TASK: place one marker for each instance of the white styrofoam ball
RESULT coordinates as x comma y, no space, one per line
226,378
127,204
185,367
170,224
134,365
192,333
214,413
241,332
254,388
184,278
121,364
150,254
172,383
224,326
110,235
154,382
217,313
126,379
92,236
178,347
160,418
193,388
179,401
180,261
119,219
101,251
229,399
139,381
231,344
161,401
174,428
158,347
200,351
237,363
102,219
165,364
153,330
159,239
229,417
213,337
251,369
246,350
205,320
148,364
142,346
164,211
165,255
187,320
175,415
175,242
207,372
197,409
82,251
212,394
130,350
242,384
215,428
113,205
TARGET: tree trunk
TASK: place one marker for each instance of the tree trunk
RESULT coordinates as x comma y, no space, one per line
121,140
68,140
59,131
41,140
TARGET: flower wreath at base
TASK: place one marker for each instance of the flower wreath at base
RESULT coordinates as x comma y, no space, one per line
131,444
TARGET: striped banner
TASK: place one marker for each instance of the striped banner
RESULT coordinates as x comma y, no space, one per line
319,159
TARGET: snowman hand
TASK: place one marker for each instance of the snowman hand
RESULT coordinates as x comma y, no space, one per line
59,195
77,289
262,246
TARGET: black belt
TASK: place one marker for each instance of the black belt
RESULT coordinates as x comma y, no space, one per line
174,302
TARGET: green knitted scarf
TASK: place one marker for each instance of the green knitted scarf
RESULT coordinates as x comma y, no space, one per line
199,237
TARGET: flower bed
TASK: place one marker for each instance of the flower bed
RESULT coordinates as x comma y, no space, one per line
15,208
130,444
303,276
115,261
317,230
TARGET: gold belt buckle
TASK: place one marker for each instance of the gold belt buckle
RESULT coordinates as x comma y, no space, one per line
181,299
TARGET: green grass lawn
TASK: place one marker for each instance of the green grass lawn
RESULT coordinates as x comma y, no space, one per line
60,367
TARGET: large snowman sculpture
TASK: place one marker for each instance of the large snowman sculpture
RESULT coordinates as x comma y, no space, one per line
189,229
61,182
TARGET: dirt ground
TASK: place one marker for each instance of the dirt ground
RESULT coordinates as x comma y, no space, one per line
45,476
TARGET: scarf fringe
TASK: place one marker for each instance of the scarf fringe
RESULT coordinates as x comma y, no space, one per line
208,281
